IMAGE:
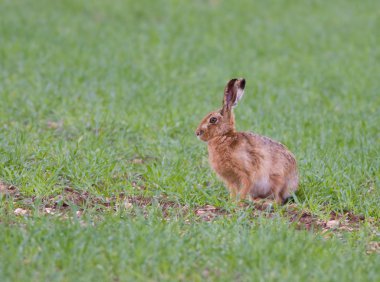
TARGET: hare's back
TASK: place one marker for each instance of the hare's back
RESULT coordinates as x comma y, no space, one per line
273,153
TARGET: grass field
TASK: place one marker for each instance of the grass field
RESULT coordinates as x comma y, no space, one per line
101,100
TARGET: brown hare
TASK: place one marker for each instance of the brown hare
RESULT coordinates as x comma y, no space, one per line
249,164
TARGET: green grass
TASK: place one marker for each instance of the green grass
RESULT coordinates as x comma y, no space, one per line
152,250
127,80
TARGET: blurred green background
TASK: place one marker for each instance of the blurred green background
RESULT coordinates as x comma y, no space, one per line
124,80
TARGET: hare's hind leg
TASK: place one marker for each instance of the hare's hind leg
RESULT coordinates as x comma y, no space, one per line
279,189
282,187
282,195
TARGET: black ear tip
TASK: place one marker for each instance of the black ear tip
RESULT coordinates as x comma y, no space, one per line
242,83
231,83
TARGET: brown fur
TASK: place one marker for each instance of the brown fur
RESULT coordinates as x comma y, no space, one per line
250,165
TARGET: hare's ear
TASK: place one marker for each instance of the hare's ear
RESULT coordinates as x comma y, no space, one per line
233,92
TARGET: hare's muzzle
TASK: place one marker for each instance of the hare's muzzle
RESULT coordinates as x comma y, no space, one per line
199,132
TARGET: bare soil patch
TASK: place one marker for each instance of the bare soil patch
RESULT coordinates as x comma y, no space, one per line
82,200
9,190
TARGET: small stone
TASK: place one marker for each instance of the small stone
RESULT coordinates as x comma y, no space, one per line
333,224
209,208
49,210
20,211
55,125
373,247
346,228
137,161
127,205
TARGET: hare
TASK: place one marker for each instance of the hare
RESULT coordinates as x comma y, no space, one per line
249,164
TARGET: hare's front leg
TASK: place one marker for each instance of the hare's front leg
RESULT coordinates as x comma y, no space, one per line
233,188
246,185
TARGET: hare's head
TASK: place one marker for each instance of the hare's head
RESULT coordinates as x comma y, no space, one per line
222,122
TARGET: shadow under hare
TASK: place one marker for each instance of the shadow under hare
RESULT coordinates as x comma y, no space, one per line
251,165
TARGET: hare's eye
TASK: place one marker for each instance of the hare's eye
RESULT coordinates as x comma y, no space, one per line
213,120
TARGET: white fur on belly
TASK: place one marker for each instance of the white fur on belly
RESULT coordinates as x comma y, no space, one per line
261,187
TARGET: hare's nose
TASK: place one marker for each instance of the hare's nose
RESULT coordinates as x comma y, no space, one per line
199,132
